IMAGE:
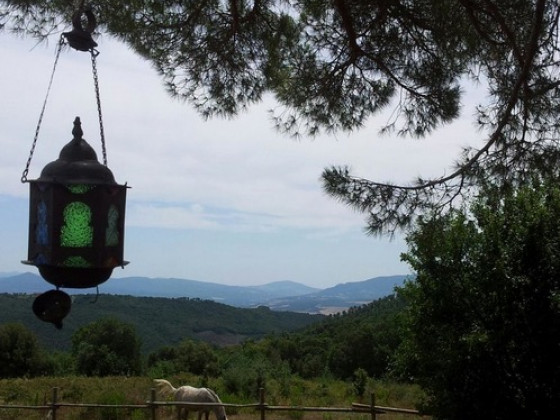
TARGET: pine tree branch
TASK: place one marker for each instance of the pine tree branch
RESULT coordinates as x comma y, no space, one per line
383,201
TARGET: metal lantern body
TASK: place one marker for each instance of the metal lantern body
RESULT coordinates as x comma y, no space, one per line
76,218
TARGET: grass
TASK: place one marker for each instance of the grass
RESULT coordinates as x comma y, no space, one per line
136,391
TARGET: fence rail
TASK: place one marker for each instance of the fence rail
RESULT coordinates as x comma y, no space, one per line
152,405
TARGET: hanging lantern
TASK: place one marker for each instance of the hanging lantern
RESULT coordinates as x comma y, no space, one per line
76,208
76,218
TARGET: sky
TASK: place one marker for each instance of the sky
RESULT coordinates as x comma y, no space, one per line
229,201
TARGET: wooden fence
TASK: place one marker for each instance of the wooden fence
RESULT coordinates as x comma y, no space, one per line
51,410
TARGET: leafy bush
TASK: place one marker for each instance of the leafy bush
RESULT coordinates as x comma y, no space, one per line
110,397
107,347
360,382
188,356
20,354
245,373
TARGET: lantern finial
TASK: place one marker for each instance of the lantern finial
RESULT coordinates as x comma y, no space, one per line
77,130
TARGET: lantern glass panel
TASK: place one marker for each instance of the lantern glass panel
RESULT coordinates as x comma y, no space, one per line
76,261
112,231
77,231
79,188
42,229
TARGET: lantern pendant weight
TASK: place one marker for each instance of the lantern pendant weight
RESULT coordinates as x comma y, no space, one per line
76,208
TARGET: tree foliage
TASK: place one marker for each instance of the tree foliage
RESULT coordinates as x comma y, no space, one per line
190,356
364,338
513,48
20,354
247,368
107,347
332,65
484,311
176,319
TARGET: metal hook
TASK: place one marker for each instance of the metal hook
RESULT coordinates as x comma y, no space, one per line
79,38
91,20
96,295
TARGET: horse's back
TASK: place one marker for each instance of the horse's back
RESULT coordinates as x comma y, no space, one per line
192,394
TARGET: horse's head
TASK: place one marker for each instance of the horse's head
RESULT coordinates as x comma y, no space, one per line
220,412
163,387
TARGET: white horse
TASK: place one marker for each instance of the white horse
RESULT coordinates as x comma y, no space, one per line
192,395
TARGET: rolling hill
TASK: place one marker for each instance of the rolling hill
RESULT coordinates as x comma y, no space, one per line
278,296
158,321
340,297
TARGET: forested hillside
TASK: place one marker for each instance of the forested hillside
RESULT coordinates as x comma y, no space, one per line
158,321
173,334
364,337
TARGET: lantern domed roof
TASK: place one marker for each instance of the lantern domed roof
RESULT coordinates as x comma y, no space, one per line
77,163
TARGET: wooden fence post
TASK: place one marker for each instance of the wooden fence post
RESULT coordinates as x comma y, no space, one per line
261,403
152,400
53,403
373,414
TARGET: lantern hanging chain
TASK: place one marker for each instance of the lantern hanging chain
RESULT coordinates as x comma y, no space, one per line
94,54
78,42
28,164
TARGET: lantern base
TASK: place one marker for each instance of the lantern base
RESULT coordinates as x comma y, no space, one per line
75,277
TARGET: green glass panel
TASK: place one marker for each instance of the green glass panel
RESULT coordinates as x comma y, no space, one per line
76,261
112,233
77,230
79,188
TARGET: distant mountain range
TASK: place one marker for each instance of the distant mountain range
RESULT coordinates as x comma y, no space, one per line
278,296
